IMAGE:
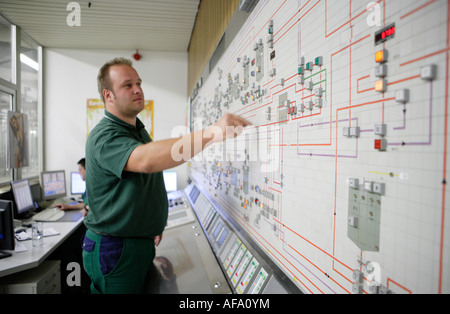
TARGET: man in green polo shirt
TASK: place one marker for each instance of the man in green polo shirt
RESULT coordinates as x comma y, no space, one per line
127,197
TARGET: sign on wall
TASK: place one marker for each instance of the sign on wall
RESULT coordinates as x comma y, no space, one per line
18,140
96,111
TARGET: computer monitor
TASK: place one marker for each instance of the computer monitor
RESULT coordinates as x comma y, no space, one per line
7,240
53,184
170,180
77,184
22,198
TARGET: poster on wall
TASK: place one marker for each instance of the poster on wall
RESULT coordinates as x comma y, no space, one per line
17,140
96,111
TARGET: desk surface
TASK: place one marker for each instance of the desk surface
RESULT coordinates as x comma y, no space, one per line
34,256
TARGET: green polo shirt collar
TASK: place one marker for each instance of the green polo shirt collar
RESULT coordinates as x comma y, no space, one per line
139,124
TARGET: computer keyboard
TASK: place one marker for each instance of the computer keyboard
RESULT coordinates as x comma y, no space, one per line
49,214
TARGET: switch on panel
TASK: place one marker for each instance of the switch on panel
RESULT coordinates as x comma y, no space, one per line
380,129
318,91
319,102
402,96
353,183
381,70
353,221
351,131
429,72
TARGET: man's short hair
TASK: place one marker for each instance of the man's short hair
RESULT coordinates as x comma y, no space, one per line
103,79
82,162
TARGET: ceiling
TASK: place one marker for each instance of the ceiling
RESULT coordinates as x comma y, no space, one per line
158,25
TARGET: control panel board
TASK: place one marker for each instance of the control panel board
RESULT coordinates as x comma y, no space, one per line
246,268
341,179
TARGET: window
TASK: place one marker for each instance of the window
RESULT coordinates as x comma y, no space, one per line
20,95
6,105
29,104
5,50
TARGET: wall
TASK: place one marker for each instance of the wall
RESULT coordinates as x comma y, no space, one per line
212,19
70,78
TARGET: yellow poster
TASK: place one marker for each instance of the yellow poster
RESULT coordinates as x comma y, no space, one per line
96,111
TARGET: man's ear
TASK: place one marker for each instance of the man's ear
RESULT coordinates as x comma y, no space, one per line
108,95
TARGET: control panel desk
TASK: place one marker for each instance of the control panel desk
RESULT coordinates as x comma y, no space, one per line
184,258
34,256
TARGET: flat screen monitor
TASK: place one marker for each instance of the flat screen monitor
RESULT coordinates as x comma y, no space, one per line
77,184
170,180
7,240
53,184
22,197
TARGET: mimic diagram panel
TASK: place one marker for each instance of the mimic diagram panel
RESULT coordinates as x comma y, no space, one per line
342,178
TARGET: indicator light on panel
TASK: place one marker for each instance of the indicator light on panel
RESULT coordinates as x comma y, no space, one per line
309,66
318,61
381,56
429,72
292,110
380,144
381,85
301,70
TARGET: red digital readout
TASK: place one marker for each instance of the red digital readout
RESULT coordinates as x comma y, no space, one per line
384,34
388,33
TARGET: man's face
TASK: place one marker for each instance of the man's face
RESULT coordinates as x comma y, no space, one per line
127,96
82,172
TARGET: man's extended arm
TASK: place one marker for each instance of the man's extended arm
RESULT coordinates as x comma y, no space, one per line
165,154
